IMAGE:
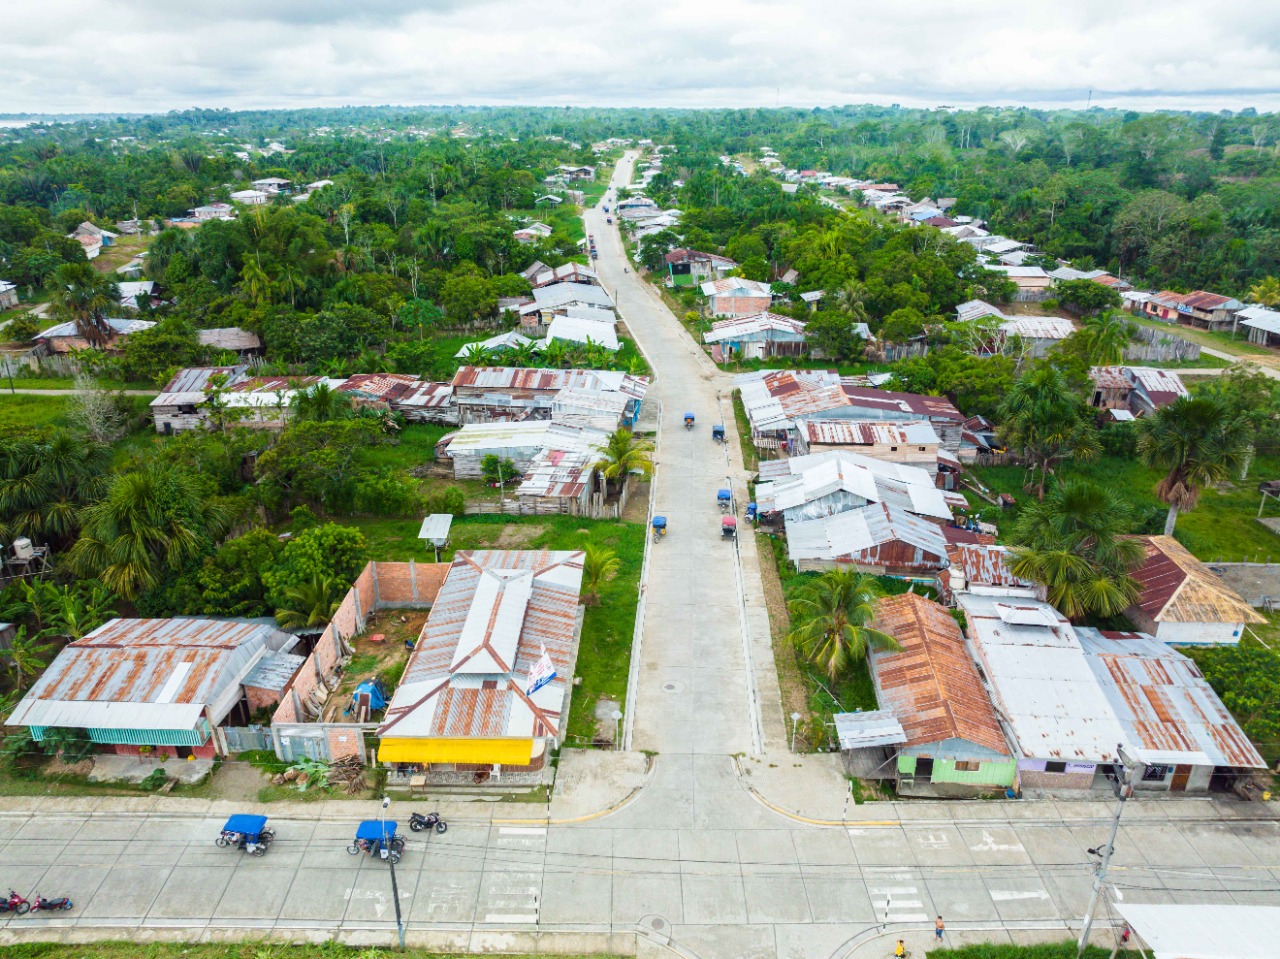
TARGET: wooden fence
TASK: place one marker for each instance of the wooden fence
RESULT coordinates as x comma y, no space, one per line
892,352
595,508
1155,346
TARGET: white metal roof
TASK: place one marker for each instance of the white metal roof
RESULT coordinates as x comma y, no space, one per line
577,329
850,532
976,310
1038,327
1041,679
527,434
1205,931
878,727
1260,318
121,327
561,294
503,341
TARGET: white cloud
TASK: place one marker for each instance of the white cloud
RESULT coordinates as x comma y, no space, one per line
260,53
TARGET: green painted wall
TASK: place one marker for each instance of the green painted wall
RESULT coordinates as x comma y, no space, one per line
989,773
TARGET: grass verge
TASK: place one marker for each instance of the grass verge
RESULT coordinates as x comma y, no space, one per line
750,458
1045,950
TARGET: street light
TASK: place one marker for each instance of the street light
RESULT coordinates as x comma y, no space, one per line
395,890
795,724
1124,789
616,716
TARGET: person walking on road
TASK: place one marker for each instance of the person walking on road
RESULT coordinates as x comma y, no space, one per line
939,927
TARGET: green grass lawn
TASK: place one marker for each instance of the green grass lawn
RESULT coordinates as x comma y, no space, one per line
415,445
68,383
604,655
1205,362
1048,950
1222,527
24,411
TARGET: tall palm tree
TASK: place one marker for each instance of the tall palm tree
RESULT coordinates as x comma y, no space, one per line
255,282
830,616
599,565
1074,543
309,604
1105,337
851,299
1042,418
151,521
622,454
82,294
44,483
1266,292
1198,441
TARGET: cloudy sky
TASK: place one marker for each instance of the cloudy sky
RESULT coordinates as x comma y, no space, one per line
147,55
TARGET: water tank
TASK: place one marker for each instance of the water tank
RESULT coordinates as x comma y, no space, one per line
22,548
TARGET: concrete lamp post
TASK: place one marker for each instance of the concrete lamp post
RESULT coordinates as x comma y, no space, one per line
395,890
616,716
1123,789
795,724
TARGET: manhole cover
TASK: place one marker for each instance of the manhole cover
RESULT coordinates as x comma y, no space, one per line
658,923
672,687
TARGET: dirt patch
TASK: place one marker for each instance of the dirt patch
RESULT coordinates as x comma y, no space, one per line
237,781
386,657
637,510
605,708
513,536
55,768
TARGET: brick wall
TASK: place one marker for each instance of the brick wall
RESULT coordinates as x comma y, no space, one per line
345,742
379,586
207,751
260,698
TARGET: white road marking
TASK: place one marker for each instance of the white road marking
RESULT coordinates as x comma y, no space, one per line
883,904
523,918
522,831
906,917
1004,896
989,844
935,840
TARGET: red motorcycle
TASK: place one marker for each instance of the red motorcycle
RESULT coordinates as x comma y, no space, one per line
50,905
15,903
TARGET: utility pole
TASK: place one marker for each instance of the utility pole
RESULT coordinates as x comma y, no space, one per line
1123,790
395,890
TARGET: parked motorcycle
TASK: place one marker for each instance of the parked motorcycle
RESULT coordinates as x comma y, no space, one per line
432,820
49,905
15,903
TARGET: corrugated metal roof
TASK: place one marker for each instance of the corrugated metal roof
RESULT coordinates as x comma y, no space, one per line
732,285
274,671
984,565
558,474
495,614
755,324
1161,386
195,379
559,294
976,310
526,434
119,327
931,684
887,404
509,340
1178,588
1038,328
422,395
1261,318
496,379
844,536
576,329
1041,679
1109,378
867,433
149,662
872,728
814,478
436,527
1164,702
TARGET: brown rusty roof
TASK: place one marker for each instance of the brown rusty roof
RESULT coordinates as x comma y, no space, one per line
985,565
1178,588
932,685
933,407
1109,378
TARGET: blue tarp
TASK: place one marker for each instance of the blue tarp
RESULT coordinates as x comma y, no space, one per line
723,494
376,829
660,522
249,825
377,698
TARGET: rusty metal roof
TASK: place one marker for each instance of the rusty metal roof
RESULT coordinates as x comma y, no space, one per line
983,565
1164,702
424,395
1178,588
1109,378
495,614
931,684
867,433
148,669
381,386
888,403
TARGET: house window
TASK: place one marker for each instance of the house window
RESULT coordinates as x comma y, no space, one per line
967,766
1154,774
893,449
489,684
1055,767
920,448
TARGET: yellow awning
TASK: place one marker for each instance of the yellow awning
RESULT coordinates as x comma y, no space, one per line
509,752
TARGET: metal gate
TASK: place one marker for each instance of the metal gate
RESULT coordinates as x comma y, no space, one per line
295,747
243,738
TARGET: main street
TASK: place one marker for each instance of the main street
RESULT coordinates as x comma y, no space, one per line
692,860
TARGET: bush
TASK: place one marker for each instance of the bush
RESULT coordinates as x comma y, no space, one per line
155,779
386,494
22,329
449,500
328,551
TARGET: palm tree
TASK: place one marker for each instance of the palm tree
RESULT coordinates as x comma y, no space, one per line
1074,543
1043,419
1105,337
26,656
622,454
599,565
150,521
830,616
851,299
1266,292
44,483
309,604
255,282
82,294
320,404
1198,441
